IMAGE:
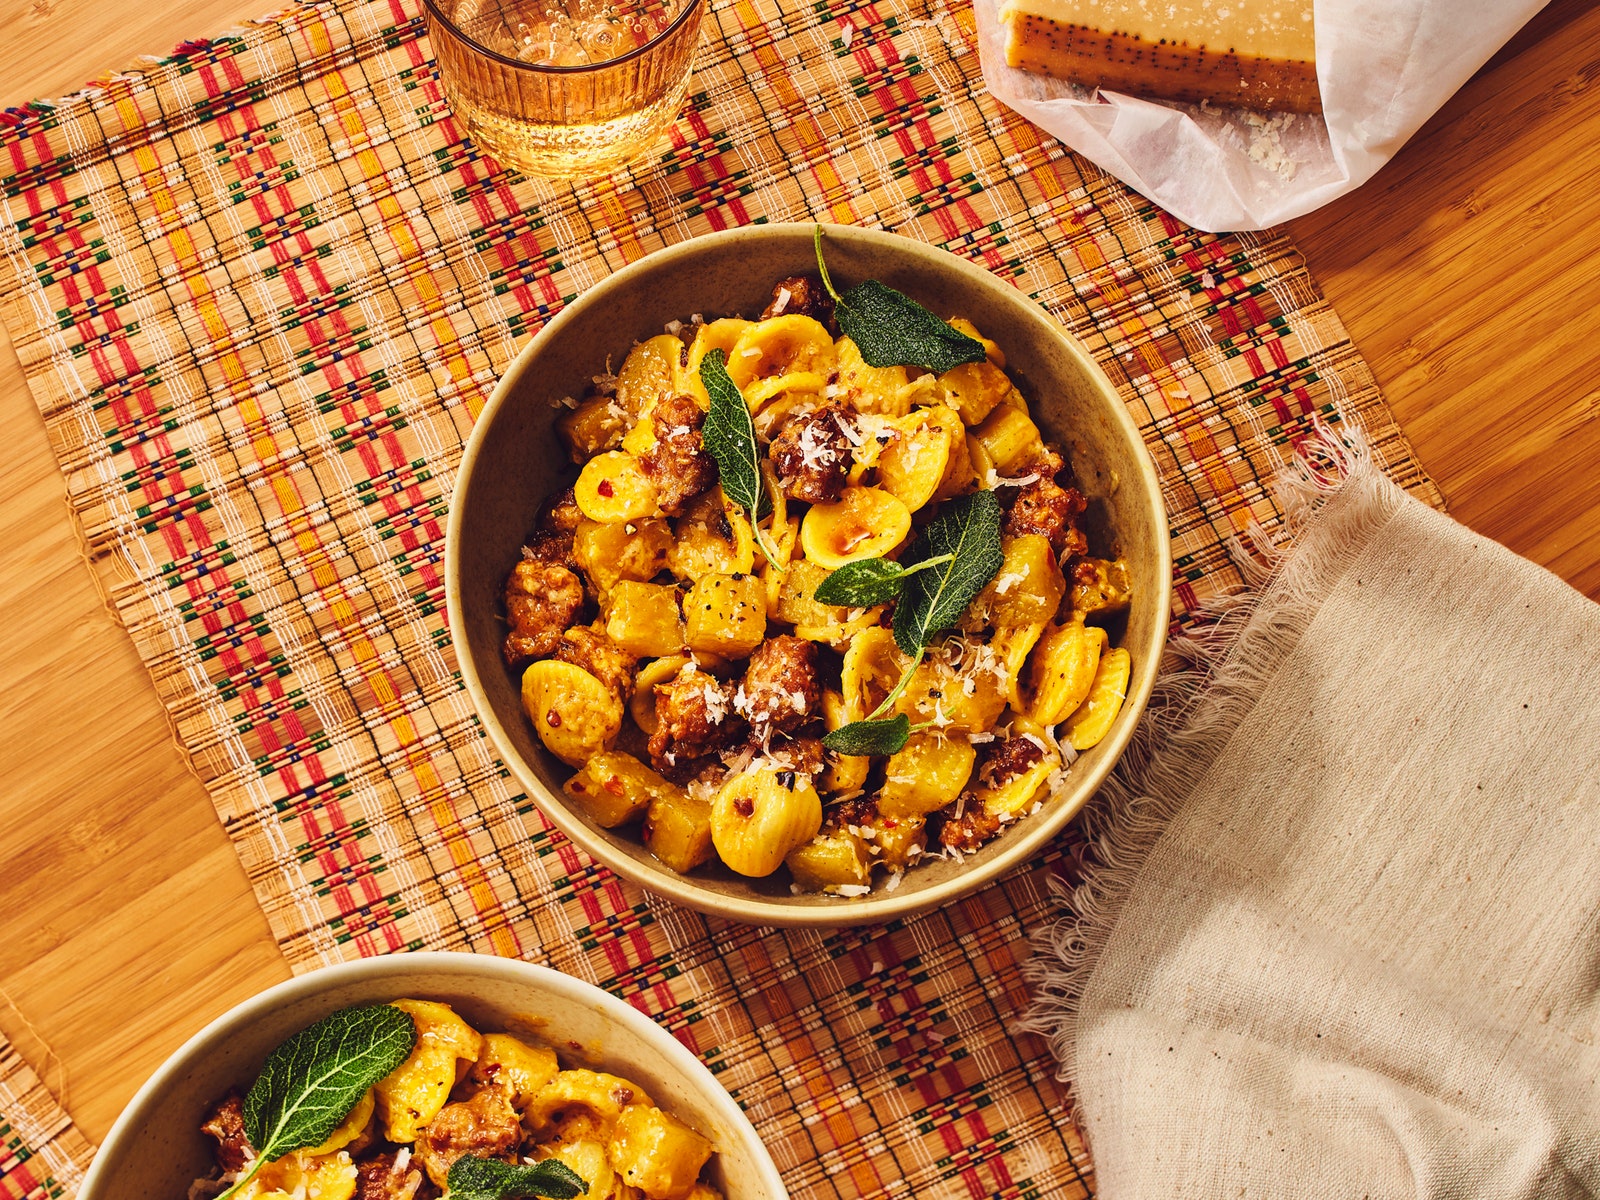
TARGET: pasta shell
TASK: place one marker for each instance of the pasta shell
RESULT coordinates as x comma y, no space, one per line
760,816
1092,721
862,523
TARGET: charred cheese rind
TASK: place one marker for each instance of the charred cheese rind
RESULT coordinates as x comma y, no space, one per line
1238,53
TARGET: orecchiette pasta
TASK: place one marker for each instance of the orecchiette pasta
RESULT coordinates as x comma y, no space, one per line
678,628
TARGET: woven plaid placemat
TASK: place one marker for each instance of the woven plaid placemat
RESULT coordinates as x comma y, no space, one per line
262,289
42,1154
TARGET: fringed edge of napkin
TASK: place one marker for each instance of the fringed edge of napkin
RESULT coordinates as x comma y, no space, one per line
1334,497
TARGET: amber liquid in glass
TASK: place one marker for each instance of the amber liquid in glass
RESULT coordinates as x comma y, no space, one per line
566,88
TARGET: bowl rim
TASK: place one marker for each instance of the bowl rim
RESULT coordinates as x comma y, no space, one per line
449,962
1025,839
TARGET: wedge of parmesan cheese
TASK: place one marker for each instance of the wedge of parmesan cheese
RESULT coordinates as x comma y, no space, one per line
1255,54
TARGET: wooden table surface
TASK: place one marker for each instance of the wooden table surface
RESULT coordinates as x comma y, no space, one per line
1468,272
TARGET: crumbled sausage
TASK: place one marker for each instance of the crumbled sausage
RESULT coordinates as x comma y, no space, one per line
542,599
802,294
678,463
1006,758
486,1126
802,755
226,1125
694,716
782,686
590,648
971,829
1048,508
561,513
388,1177
812,455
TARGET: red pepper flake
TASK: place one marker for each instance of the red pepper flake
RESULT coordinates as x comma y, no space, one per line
744,807
605,489
553,719
614,786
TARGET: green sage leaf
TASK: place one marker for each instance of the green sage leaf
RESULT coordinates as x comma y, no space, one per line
968,530
893,330
313,1080
863,583
474,1178
861,738
729,436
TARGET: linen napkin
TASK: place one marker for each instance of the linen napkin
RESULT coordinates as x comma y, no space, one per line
1345,940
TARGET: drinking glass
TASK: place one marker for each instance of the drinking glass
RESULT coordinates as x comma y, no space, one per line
565,88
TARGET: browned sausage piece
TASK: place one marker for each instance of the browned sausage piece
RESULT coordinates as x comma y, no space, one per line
378,1179
812,455
678,464
782,687
694,715
486,1126
226,1125
588,647
541,600
802,294
971,829
1048,508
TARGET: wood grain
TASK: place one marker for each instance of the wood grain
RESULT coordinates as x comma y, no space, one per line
1467,273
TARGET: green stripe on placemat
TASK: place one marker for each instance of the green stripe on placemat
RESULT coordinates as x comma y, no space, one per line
260,293
42,1154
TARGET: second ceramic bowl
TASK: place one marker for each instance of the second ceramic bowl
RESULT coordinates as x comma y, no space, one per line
513,461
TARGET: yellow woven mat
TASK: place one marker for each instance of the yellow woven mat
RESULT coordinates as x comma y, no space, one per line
261,291
42,1154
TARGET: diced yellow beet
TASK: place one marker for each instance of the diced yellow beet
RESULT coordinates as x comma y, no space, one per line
899,840
1062,669
726,615
1107,591
595,426
574,713
974,389
863,523
926,774
1026,590
613,488
713,538
614,787
643,618
649,374
760,816
636,550
964,699
656,1153
1010,438
835,858
677,830
1092,721
797,597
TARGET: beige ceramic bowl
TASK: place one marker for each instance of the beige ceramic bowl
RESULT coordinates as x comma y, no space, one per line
514,461
155,1150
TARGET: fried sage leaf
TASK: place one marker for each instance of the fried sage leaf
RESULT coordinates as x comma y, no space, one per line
893,330
474,1178
869,581
729,437
967,534
862,738
313,1080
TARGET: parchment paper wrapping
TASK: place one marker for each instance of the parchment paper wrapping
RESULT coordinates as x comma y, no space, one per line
1384,67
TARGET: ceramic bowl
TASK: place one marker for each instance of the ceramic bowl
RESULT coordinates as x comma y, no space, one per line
156,1150
513,461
